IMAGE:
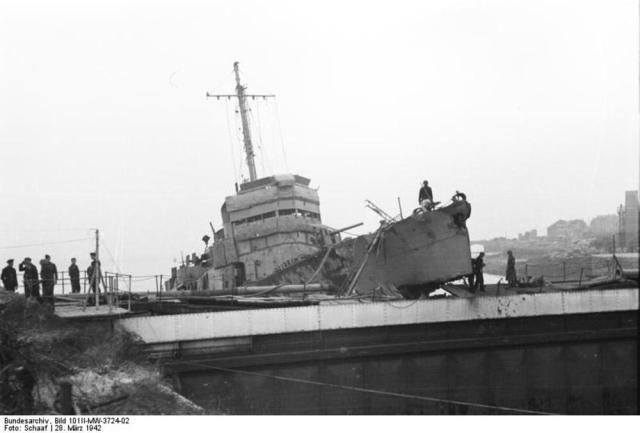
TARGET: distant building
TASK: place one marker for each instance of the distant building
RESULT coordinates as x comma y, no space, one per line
628,222
531,235
561,229
604,225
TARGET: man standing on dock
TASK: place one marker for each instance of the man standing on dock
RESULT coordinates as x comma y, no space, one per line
94,277
49,276
31,283
74,276
9,277
511,269
477,270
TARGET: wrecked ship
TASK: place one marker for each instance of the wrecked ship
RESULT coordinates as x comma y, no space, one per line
273,236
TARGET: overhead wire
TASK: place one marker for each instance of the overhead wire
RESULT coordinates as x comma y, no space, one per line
44,243
373,391
43,230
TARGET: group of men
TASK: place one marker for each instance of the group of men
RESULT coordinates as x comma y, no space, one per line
476,278
425,197
47,276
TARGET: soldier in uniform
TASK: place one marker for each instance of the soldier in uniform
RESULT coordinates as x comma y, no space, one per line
472,275
49,276
511,270
74,276
31,282
479,276
91,273
9,277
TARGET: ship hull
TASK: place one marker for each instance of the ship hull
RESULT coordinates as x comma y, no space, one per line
414,255
427,248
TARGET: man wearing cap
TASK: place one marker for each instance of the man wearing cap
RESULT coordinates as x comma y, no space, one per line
49,276
9,277
91,271
74,276
31,283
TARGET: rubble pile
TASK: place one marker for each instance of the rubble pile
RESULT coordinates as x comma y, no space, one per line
104,365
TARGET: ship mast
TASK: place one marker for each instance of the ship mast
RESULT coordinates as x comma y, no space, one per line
246,131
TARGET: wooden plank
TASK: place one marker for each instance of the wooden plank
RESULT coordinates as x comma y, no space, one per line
76,311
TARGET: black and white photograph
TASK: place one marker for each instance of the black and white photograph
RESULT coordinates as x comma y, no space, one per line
228,208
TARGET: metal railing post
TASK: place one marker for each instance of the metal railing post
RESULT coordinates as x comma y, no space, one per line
580,280
110,292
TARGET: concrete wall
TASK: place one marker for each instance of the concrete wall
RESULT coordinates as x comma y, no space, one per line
202,326
576,377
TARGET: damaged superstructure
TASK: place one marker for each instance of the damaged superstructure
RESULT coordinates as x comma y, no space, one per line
270,224
273,235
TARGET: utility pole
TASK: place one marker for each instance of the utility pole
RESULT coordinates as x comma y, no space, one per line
246,131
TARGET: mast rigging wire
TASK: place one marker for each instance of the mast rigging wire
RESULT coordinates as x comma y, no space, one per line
239,138
258,124
257,143
231,143
104,244
284,153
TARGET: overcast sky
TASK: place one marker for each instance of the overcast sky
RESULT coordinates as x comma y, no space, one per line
529,107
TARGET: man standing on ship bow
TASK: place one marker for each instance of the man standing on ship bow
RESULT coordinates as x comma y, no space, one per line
425,193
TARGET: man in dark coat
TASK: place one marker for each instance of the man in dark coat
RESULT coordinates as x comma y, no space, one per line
479,276
91,271
49,276
511,276
472,275
74,276
425,193
9,277
31,282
